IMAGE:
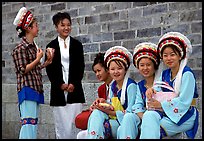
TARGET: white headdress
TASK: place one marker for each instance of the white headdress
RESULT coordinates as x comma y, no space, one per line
119,53
149,50
145,49
23,18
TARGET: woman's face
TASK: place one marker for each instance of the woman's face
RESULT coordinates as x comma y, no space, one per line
101,73
171,58
34,29
117,72
146,67
64,28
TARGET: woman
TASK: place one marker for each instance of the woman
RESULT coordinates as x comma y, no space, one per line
65,74
104,121
103,75
26,57
146,60
180,116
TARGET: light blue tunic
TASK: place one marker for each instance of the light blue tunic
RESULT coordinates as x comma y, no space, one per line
130,128
179,116
96,120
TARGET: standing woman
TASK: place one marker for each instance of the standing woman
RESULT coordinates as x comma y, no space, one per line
146,60
104,121
26,57
180,115
65,74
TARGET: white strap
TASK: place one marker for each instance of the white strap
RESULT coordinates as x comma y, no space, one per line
163,85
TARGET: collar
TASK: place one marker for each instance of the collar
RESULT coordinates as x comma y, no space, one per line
25,41
62,40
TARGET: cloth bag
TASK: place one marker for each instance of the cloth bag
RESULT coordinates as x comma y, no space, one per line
164,96
81,120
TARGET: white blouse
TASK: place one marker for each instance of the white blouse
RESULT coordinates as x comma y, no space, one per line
64,57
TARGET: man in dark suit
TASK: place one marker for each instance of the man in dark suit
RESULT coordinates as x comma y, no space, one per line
65,74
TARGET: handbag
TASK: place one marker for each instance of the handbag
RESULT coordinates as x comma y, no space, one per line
164,96
81,120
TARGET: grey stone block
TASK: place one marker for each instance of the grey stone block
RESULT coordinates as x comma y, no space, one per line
59,6
154,9
12,112
191,16
9,93
124,35
109,17
149,32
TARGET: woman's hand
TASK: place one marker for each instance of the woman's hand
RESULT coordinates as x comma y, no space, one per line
106,109
70,88
50,55
96,102
149,92
64,87
39,54
154,104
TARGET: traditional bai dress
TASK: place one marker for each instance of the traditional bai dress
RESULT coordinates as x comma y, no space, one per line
180,114
130,128
101,125
29,85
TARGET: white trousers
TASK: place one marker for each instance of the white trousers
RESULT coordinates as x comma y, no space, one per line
64,118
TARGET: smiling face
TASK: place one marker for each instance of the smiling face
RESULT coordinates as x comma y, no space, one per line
171,57
117,70
64,28
146,67
101,73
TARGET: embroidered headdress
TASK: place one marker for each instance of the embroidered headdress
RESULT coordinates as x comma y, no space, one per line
23,18
119,53
183,44
122,54
145,49
178,40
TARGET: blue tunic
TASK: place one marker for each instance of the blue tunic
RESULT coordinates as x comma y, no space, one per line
180,116
181,109
96,120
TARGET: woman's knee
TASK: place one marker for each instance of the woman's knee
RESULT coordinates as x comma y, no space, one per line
131,117
96,112
98,115
150,115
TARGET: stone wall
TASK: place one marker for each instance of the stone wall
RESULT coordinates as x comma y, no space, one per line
99,26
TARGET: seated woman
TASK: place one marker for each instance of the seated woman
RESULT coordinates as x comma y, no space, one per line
146,60
180,116
102,74
104,121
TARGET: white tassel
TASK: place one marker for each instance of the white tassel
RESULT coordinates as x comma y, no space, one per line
122,98
177,81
